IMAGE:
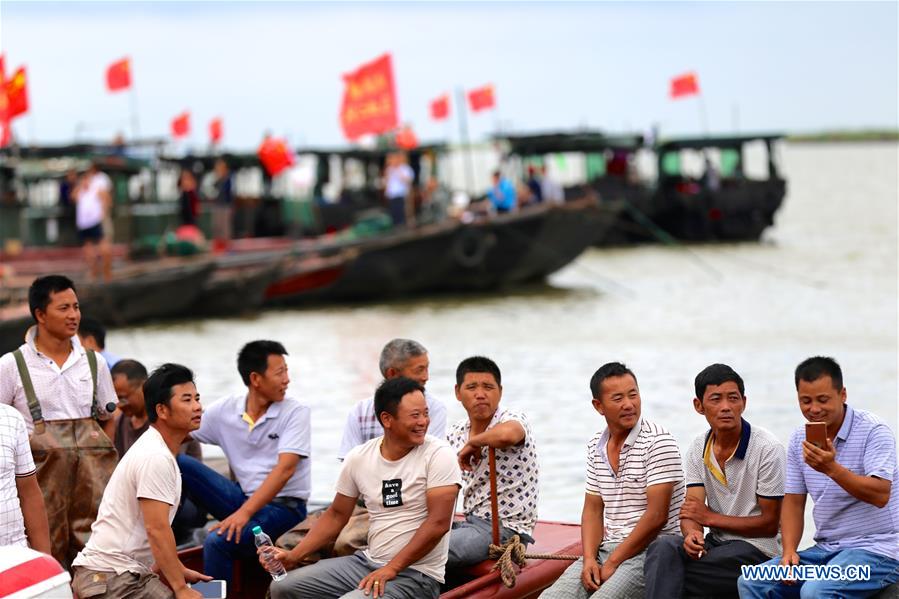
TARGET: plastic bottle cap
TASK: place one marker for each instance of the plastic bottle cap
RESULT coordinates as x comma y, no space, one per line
257,530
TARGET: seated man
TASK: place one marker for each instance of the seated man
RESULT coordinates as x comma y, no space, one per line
266,438
409,482
24,519
479,389
132,533
735,478
635,487
128,378
856,514
400,357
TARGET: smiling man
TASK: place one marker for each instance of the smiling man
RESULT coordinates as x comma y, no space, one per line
399,358
132,536
408,481
266,437
479,390
735,480
850,481
61,390
635,487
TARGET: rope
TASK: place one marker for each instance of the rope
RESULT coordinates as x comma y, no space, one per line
512,552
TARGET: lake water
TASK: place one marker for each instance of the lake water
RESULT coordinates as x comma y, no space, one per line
823,281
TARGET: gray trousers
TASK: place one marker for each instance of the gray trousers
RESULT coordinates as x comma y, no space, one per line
625,583
470,541
339,577
671,573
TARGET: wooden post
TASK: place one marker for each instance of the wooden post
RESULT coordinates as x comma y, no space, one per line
494,503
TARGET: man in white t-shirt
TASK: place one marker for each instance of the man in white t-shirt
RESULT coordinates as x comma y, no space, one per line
93,203
400,357
23,518
408,481
398,178
132,535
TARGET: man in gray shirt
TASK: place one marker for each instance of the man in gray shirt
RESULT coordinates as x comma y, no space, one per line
735,485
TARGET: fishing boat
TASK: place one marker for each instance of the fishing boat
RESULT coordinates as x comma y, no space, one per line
725,188
448,256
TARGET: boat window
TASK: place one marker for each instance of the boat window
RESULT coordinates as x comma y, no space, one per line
645,166
596,166
730,163
671,164
755,160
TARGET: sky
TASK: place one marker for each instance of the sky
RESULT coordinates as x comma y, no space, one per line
797,67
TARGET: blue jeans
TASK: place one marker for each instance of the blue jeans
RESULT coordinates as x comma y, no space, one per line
221,498
884,572
470,540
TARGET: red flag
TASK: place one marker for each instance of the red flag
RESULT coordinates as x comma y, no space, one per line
16,89
118,75
4,103
216,130
684,85
481,98
275,155
440,108
181,125
369,101
406,138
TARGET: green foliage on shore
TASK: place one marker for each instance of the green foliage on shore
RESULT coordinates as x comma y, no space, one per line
846,135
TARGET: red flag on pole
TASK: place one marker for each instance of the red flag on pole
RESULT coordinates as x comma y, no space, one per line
481,98
369,101
440,108
4,103
16,89
181,125
118,75
216,130
275,155
684,85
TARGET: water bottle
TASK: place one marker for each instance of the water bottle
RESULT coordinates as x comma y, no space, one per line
274,566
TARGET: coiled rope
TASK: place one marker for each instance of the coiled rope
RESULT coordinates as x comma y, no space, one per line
512,551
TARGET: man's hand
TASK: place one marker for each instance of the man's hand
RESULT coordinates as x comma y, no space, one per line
233,525
789,559
276,554
591,575
188,593
821,460
192,576
694,544
469,457
695,510
376,582
608,568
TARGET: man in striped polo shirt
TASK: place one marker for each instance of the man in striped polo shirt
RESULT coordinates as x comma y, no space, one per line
635,487
735,485
850,480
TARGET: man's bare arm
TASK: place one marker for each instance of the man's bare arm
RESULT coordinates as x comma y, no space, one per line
34,513
323,532
233,525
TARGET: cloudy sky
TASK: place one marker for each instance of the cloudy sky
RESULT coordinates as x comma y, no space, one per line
761,65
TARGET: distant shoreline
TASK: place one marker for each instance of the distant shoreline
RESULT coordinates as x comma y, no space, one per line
845,136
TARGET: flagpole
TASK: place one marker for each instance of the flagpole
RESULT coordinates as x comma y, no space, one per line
463,138
703,117
135,128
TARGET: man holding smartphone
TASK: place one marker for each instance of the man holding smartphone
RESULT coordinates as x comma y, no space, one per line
735,486
850,480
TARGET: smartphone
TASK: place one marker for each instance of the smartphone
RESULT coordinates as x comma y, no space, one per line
214,589
816,434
